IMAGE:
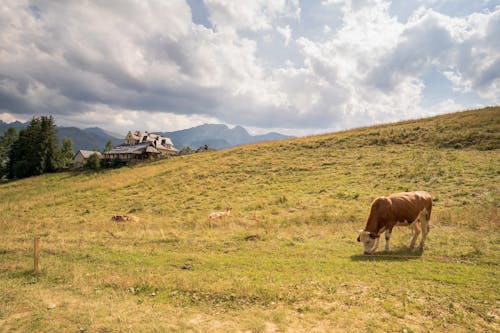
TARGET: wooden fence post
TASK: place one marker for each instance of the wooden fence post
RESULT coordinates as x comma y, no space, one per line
36,253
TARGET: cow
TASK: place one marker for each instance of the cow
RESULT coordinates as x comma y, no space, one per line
220,215
407,208
124,218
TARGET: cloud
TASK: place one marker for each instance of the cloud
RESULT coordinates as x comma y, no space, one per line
253,15
465,50
124,63
129,57
286,32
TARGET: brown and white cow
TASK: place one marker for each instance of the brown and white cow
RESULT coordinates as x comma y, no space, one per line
220,215
407,208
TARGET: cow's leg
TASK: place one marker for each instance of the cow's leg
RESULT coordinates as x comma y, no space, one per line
415,226
387,238
425,229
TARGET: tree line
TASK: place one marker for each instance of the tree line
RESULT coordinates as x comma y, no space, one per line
34,150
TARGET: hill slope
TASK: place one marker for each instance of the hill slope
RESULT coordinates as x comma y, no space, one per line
286,260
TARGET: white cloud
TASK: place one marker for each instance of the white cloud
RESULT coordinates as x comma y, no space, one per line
253,15
446,106
124,63
286,32
10,118
464,49
123,120
129,58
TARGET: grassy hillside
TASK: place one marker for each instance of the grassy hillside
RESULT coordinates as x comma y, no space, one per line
287,260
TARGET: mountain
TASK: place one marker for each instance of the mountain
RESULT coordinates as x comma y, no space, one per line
104,133
5,126
217,136
93,138
89,139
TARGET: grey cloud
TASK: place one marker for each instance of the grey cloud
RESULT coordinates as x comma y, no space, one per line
430,42
65,58
419,47
490,74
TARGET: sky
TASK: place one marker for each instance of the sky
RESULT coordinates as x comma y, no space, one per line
295,67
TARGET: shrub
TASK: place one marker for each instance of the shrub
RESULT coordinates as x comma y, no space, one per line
93,162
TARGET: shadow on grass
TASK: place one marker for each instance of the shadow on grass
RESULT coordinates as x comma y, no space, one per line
403,254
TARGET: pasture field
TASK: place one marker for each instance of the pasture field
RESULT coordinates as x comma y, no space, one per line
287,259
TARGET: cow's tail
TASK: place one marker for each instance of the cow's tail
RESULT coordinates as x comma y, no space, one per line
429,209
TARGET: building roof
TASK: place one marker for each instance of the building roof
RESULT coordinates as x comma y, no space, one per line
125,149
160,142
88,153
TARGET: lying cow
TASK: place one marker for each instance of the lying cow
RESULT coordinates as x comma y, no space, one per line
124,218
220,215
408,208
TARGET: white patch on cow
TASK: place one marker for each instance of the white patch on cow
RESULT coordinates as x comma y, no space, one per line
387,238
370,244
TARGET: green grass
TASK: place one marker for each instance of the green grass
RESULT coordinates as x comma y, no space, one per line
287,260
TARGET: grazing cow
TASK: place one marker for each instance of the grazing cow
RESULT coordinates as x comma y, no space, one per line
220,215
408,208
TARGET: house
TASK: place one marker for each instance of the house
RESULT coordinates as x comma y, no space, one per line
82,156
138,137
140,146
133,152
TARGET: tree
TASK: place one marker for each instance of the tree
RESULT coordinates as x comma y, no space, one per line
25,152
93,162
48,145
109,146
6,141
35,151
67,153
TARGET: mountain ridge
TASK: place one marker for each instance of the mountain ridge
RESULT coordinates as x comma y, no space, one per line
218,136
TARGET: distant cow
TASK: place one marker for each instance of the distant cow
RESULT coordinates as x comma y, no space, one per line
408,208
220,215
124,218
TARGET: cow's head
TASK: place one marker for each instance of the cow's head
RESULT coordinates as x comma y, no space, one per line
369,240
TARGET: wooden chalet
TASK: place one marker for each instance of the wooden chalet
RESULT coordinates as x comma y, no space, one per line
140,146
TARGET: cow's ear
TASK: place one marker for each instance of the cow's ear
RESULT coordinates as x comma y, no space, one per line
359,240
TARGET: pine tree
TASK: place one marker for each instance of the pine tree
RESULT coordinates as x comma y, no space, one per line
67,153
6,141
25,152
35,151
109,146
48,141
